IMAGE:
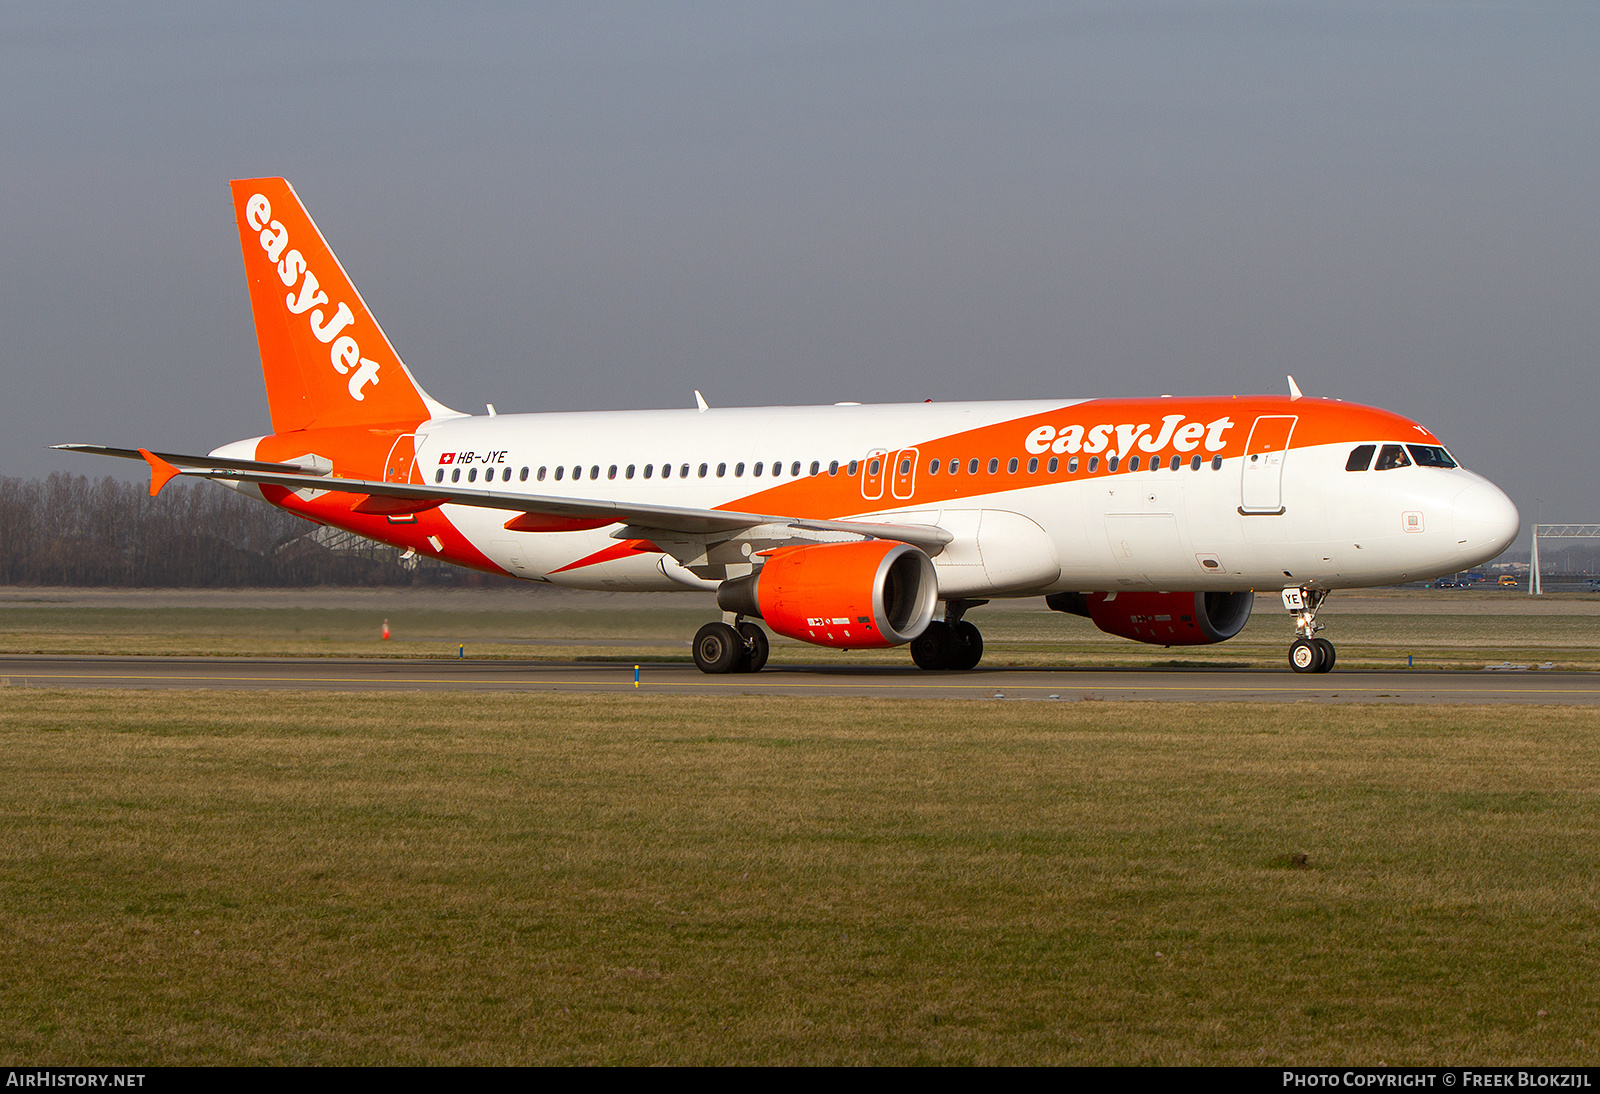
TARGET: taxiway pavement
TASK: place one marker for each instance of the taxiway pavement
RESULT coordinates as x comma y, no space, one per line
1187,685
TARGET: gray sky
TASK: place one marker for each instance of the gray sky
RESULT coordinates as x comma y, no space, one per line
581,206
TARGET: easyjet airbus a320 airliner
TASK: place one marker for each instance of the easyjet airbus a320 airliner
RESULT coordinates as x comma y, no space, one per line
847,526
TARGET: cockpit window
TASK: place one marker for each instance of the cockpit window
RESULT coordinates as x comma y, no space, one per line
1360,457
1390,457
1430,455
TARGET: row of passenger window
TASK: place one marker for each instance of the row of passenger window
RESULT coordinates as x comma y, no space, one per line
776,471
874,468
1394,455
1053,465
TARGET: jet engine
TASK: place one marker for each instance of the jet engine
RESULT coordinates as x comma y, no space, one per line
863,595
1163,619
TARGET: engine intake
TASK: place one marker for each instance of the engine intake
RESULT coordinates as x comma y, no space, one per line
863,595
1162,619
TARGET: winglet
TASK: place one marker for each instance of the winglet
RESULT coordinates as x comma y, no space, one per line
1294,390
161,472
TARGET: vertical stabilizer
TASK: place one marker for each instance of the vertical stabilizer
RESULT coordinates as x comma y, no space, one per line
325,359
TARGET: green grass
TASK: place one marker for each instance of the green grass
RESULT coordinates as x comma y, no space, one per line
1486,630
403,878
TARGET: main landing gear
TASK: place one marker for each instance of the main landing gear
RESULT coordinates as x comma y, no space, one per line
1308,653
951,642
719,648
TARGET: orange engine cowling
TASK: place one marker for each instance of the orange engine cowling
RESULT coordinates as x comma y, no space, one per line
1163,619
848,595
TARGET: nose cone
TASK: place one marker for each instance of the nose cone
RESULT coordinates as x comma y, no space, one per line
1485,521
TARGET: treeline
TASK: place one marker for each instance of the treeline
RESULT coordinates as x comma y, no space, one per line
69,530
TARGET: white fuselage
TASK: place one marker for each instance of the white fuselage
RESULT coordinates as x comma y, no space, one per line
1015,533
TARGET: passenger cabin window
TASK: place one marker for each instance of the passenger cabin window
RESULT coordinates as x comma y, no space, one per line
1360,457
933,467
1011,468
1194,463
438,476
1133,464
815,467
559,472
472,475
611,472
523,477
1430,455
1216,463
1177,461
1033,465
1072,465
972,467
541,473
955,467
1391,456
994,467
756,470
855,465
738,470
1052,465
833,468
1094,464
703,469
1111,464
649,469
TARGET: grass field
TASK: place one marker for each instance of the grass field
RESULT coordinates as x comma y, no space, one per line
296,878
1433,631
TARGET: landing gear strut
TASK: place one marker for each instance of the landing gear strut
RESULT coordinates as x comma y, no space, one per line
719,648
951,642
1308,653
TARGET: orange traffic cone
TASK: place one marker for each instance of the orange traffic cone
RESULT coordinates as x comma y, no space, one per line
386,630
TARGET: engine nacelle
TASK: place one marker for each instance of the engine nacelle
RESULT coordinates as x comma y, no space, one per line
848,595
1162,619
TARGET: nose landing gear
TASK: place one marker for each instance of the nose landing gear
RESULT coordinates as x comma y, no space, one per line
1308,653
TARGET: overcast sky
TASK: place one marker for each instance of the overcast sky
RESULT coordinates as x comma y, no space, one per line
583,206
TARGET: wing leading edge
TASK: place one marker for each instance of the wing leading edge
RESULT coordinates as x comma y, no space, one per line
399,497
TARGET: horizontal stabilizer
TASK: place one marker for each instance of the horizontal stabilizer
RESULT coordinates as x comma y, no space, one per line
179,460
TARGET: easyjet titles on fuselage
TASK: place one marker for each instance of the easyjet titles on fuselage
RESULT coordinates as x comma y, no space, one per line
1076,438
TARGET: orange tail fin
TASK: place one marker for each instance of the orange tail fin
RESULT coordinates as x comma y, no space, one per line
325,359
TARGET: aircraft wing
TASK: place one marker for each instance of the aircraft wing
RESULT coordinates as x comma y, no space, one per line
401,497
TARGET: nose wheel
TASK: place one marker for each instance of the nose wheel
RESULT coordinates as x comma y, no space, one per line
1308,653
1311,655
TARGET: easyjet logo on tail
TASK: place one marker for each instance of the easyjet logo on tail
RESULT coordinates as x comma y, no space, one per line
344,353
